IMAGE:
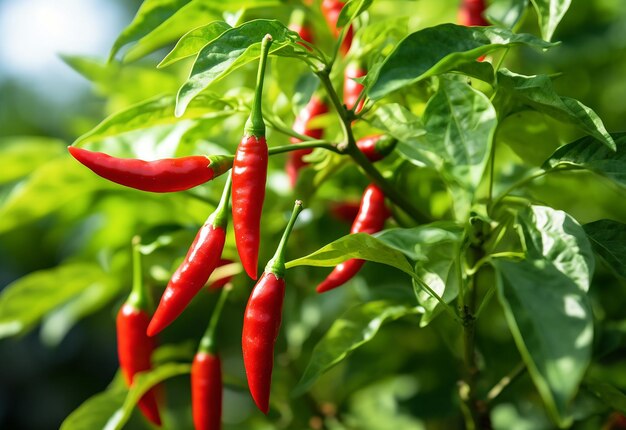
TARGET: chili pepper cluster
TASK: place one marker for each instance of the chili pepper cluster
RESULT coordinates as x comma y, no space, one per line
245,188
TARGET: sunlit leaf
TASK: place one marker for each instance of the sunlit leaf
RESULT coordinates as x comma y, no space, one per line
398,122
415,242
24,302
22,154
506,13
351,10
436,50
550,13
608,239
356,327
192,42
588,153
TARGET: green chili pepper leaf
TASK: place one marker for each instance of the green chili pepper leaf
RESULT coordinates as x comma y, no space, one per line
397,121
358,245
608,394
24,302
588,153
233,49
436,50
356,327
156,111
555,236
351,10
538,93
550,13
95,411
608,239
21,155
551,321
416,242
506,13
193,41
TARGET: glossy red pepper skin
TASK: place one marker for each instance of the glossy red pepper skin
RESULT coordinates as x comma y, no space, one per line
261,325
249,177
201,259
370,219
471,13
134,350
206,391
314,108
331,10
376,147
159,176
351,88
345,211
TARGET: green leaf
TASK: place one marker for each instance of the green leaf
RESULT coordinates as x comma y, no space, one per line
608,239
552,324
555,236
158,110
416,242
550,13
193,41
111,409
351,10
24,302
506,13
150,15
359,245
587,153
356,327
609,395
22,154
397,121
538,93
436,50
460,123
231,50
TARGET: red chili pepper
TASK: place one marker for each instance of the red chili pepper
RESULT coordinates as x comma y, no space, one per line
262,319
299,23
160,176
314,108
376,147
206,376
352,89
134,347
201,259
331,10
249,176
471,13
370,219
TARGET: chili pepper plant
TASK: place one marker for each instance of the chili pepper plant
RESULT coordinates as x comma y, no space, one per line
460,253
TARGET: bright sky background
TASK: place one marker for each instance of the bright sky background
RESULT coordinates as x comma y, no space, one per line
34,32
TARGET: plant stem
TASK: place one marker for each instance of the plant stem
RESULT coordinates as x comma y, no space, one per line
349,147
507,380
304,145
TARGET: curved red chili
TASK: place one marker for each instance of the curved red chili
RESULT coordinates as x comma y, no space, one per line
158,176
331,10
314,108
376,147
249,176
134,347
370,219
261,322
201,260
352,89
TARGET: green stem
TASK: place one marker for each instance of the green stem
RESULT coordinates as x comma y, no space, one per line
208,343
436,296
304,145
219,217
255,125
518,184
277,264
349,147
282,128
506,381
139,297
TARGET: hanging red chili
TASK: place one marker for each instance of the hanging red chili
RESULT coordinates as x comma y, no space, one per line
201,259
158,176
206,376
249,176
134,347
331,10
262,319
299,23
471,13
376,147
352,89
314,108
370,219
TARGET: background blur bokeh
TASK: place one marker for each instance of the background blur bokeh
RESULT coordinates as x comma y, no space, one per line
41,96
